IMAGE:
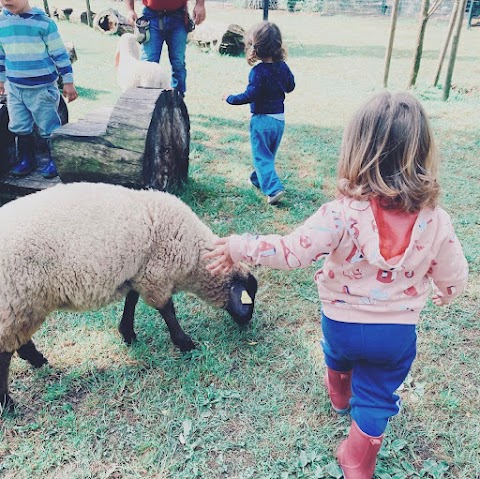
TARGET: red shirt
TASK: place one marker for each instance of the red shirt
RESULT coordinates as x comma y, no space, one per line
167,5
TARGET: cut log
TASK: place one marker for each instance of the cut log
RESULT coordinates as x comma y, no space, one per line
112,23
78,16
233,41
143,142
207,35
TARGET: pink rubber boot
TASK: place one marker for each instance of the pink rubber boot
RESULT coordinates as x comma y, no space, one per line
357,455
339,389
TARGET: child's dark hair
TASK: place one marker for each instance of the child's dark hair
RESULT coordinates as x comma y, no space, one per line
264,40
388,151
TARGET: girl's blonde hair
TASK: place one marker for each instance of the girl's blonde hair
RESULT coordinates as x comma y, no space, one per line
264,40
388,151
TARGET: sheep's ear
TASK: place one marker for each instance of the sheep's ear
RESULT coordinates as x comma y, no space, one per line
117,59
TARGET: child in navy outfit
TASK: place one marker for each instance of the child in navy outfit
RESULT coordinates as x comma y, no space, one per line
268,82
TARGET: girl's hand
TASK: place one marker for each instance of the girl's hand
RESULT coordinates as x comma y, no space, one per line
438,299
224,97
2,88
69,92
221,254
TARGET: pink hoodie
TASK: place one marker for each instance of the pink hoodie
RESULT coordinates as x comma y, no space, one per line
356,284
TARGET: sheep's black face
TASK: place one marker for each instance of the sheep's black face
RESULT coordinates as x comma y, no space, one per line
242,298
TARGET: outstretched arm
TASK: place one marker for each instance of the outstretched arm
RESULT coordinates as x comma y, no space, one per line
317,237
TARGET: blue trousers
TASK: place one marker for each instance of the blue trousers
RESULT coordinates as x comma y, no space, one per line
169,29
380,356
265,136
33,106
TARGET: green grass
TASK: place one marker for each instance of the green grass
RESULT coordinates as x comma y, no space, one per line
249,403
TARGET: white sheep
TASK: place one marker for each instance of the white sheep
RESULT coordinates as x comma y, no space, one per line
133,72
82,246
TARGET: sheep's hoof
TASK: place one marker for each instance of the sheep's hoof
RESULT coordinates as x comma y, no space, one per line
39,361
6,405
185,345
129,338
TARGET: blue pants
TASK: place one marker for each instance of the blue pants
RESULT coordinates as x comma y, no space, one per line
265,136
33,106
381,356
169,29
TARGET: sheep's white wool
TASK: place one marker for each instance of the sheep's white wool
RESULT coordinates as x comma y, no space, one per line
81,246
133,72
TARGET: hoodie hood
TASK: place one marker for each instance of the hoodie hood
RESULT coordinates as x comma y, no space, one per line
367,239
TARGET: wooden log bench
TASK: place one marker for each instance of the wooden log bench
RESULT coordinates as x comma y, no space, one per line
141,142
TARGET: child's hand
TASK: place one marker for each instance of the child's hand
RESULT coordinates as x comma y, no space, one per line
2,88
438,299
224,97
221,253
69,92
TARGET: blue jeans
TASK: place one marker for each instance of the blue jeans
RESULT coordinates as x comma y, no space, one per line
169,29
33,106
380,356
265,136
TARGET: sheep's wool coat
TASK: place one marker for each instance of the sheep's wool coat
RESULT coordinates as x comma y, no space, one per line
81,246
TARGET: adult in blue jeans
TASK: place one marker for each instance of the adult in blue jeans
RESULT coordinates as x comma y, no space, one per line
168,23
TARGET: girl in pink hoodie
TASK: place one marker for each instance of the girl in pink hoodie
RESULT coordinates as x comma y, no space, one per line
386,243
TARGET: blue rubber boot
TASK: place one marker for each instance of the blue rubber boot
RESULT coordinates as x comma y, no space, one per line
26,156
50,170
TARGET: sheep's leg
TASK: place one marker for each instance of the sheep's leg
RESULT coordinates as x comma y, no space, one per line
126,324
6,403
179,337
31,354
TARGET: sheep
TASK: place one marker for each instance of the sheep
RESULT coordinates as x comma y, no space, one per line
82,246
133,72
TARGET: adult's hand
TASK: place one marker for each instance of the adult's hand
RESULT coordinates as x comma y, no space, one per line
132,17
199,12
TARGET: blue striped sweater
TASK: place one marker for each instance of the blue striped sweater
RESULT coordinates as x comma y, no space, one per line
32,53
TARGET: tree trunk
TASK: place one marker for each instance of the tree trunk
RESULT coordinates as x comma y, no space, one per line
388,53
111,22
443,52
453,53
419,45
143,142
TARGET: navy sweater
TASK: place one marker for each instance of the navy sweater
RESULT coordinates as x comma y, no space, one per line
267,85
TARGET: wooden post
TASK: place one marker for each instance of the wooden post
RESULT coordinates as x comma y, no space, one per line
419,43
470,13
443,52
89,14
46,8
453,54
388,53
265,9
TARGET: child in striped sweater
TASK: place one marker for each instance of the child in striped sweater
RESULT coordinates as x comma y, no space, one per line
32,55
